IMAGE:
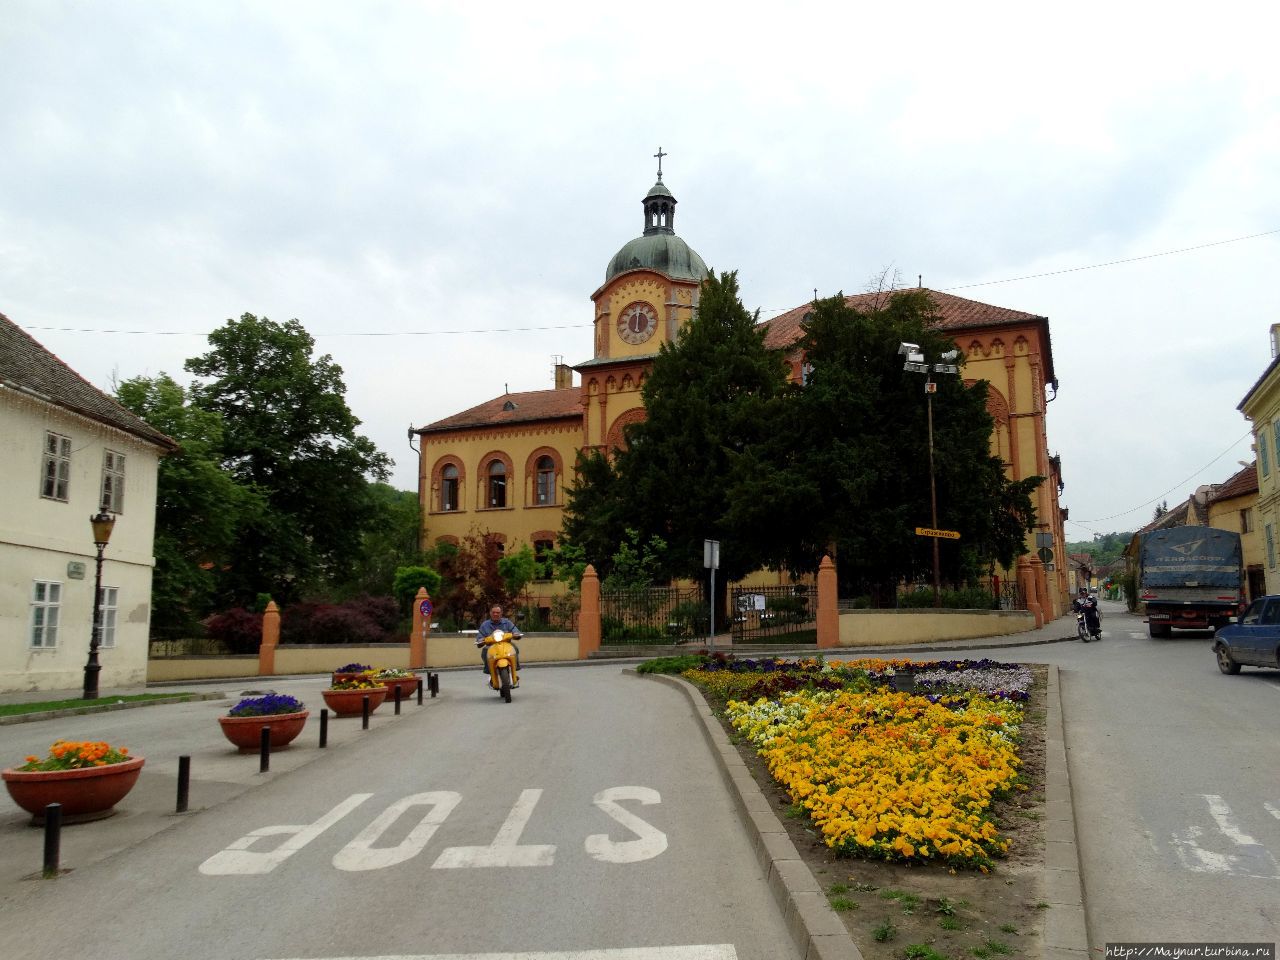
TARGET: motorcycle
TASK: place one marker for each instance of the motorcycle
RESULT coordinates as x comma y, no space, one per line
1083,630
500,655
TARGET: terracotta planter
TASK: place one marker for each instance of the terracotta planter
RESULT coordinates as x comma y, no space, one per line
408,687
246,732
90,793
348,703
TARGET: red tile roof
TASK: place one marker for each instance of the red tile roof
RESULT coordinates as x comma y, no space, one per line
955,313
561,404
1240,484
27,366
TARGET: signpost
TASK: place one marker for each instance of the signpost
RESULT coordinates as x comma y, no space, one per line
944,534
711,560
425,609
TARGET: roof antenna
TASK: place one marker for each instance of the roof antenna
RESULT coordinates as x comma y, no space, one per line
506,388
920,280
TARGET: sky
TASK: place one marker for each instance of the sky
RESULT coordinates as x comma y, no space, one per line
434,191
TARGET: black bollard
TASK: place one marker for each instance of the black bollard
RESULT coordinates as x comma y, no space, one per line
364,713
419,691
434,680
184,782
397,701
264,750
52,839
324,728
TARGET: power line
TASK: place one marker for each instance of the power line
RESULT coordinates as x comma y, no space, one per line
1234,444
367,333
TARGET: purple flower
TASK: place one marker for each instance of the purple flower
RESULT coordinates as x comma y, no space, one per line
272,703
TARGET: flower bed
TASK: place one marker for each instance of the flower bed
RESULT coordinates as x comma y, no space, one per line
884,774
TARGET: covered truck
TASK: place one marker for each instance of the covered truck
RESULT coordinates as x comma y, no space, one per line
1190,577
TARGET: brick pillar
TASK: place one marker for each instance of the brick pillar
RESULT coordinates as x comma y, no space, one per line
828,612
418,633
270,639
1029,586
589,614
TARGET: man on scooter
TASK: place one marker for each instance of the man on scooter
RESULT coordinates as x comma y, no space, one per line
1088,605
496,621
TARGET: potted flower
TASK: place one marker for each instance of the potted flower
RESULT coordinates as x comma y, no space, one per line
88,778
284,715
350,671
393,677
346,697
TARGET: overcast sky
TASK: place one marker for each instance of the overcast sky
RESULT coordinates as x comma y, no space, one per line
434,191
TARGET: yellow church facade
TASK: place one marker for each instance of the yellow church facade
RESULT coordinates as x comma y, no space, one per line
500,469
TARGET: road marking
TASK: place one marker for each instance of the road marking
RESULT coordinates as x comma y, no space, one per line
360,854
505,851
1272,809
238,858
1249,859
652,840
707,951
1136,635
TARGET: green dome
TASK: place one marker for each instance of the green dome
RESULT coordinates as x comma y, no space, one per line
659,249
663,253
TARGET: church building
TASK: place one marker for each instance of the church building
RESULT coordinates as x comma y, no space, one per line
500,469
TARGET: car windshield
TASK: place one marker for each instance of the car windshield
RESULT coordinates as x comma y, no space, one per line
1253,613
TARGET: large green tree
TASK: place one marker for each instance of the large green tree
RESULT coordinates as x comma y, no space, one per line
289,434
200,509
707,399
850,473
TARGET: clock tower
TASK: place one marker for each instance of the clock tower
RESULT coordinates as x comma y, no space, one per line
650,290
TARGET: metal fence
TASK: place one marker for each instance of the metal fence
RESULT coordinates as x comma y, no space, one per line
773,614
653,615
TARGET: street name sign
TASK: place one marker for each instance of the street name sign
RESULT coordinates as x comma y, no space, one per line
944,534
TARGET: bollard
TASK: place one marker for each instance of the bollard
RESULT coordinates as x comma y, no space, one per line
433,683
419,691
324,728
52,838
184,782
264,750
397,701
364,713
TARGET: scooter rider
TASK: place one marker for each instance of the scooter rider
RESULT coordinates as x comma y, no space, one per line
1088,605
496,621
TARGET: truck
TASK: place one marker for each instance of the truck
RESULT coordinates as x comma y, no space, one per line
1191,578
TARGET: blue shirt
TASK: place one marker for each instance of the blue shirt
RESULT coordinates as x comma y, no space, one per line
486,628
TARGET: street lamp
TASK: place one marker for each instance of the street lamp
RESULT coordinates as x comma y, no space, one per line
102,523
916,363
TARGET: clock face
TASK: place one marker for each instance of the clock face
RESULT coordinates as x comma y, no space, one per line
637,323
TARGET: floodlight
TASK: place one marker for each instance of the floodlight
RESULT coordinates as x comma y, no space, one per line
906,348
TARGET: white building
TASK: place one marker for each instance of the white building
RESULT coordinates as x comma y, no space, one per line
69,449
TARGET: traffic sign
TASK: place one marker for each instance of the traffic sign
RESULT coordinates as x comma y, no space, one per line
425,607
1045,555
944,534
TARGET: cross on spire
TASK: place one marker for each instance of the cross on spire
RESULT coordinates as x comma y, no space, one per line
660,155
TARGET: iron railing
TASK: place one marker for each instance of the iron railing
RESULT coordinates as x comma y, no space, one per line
653,615
780,614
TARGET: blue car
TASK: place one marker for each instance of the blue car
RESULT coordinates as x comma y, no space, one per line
1252,641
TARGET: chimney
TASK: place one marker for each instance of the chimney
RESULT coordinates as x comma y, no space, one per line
1275,340
564,376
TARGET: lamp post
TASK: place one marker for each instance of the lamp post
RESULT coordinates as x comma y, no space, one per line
916,363
102,523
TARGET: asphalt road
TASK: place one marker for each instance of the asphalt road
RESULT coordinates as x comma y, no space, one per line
585,816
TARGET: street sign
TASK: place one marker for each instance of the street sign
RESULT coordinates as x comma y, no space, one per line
944,534
711,554
1045,555
426,608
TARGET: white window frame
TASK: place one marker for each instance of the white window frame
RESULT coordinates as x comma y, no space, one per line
46,607
108,611
544,485
55,467
113,481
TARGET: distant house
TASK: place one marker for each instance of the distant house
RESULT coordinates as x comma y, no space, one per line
70,450
1081,572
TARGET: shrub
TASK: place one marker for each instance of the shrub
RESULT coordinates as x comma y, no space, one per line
328,623
237,629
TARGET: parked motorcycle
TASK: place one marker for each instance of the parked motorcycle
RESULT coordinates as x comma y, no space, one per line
500,655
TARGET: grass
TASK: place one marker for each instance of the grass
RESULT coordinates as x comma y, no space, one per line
17,709
1008,928
992,948
921,951
908,901
951,923
842,904
885,932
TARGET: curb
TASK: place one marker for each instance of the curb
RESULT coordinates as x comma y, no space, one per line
817,930
35,715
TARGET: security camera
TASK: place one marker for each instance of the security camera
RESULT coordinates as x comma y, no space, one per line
908,348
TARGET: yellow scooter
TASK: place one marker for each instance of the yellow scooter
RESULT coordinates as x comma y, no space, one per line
500,654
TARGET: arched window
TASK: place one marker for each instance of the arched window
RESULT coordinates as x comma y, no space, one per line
544,481
497,475
449,488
